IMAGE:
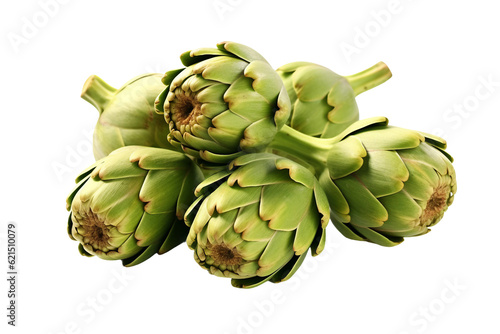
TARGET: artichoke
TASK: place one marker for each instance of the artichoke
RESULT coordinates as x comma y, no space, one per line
383,183
227,100
323,102
126,115
255,222
130,205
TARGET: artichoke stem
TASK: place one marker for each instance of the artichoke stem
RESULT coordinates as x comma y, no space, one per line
97,92
369,78
311,150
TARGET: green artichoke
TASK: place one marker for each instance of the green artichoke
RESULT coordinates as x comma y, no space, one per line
130,205
255,222
227,100
127,115
323,102
383,183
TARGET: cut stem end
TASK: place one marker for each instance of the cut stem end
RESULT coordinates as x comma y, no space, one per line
97,92
369,78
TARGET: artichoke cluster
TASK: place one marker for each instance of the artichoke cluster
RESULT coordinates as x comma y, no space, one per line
248,165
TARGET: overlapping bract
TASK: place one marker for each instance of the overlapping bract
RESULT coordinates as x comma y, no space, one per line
126,115
130,205
226,101
256,222
385,183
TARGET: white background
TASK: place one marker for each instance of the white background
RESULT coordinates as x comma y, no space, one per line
441,54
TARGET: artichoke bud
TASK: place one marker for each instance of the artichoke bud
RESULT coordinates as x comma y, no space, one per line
242,226
385,183
227,100
323,102
130,205
126,115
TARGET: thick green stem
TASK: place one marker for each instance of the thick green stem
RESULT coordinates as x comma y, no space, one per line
313,151
97,92
369,78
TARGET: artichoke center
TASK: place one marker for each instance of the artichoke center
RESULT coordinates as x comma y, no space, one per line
221,254
185,108
95,231
436,203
